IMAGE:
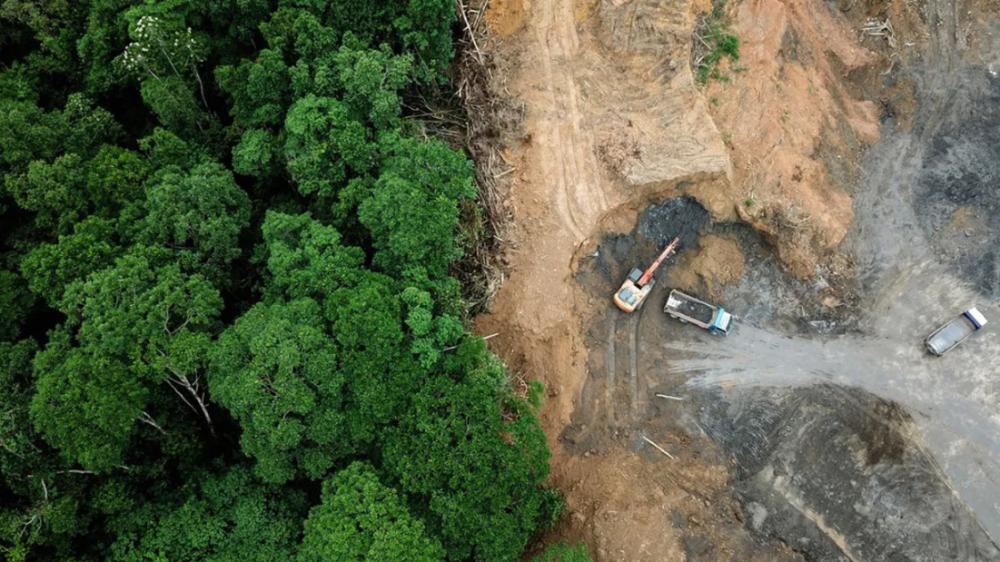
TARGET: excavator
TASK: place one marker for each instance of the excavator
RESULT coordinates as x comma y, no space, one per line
637,287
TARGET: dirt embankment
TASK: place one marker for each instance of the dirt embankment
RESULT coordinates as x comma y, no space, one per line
795,123
778,116
614,120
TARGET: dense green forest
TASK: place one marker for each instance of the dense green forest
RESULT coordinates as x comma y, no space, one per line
230,326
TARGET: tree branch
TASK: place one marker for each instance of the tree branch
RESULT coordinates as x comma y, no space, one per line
201,86
170,383
145,418
192,389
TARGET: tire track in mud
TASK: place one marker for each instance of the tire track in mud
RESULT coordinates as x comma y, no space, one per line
618,374
569,150
622,388
609,364
564,152
633,365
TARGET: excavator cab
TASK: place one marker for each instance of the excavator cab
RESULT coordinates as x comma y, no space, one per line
633,292
630,297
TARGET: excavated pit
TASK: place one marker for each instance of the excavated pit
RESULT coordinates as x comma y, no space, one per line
814,460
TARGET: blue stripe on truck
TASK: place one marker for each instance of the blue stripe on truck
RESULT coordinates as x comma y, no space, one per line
972,319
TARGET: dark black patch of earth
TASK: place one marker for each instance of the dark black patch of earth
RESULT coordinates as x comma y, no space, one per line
838,457
680,217
962,169
765,295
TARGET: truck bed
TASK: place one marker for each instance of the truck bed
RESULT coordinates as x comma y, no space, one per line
951,334
690,309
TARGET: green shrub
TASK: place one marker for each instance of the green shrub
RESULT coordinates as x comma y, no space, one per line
715,42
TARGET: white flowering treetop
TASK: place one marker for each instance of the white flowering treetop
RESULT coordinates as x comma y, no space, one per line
159,49
156,49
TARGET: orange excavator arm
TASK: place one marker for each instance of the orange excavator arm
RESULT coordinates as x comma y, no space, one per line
648,274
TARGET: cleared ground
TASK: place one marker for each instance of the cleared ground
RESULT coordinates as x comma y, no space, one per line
819,429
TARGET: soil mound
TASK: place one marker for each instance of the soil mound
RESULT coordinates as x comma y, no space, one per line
718,261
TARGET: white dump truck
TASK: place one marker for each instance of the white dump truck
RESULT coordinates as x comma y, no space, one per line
947,337
688,309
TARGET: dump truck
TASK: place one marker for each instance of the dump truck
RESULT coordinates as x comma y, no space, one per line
633,292
955,331
695,311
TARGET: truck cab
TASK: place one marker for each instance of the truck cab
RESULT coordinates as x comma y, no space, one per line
721,323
